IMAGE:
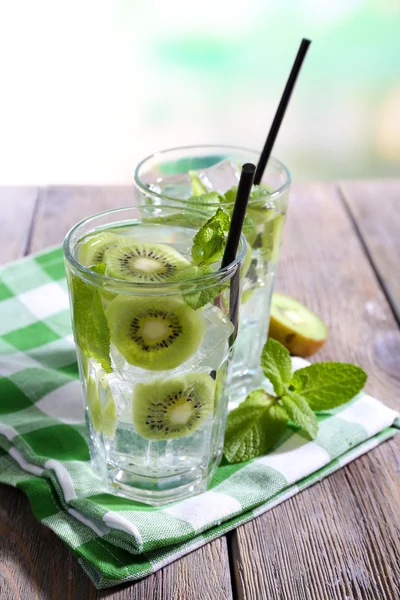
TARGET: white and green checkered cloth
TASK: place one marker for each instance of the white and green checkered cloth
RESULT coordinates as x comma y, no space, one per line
44,450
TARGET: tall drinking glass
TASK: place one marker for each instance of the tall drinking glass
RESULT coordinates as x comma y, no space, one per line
154,349
174,176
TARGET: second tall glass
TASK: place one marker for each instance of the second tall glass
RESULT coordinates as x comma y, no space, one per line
181,176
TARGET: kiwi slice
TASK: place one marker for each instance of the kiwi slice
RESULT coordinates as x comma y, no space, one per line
91,251
164,410
93,403
143,262
295,326
272,238
109,416
156,333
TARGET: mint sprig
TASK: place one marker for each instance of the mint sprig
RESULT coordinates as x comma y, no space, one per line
210,241
276,365
90,324
254,427
257,424
328,385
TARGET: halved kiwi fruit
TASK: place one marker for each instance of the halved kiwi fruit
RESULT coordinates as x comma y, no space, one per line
156,333
91,251
164,410
295,326
143,262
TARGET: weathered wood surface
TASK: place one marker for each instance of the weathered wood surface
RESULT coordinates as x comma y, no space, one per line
338,539
375,209
17,207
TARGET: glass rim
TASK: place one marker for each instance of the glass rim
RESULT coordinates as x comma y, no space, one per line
143,187
218,276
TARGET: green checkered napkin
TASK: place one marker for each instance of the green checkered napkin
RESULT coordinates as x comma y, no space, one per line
44,450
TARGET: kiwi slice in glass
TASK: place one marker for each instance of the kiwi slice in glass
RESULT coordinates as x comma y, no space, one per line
92,249
109,416
93,403
295,326
142,262
156,333
271,239
164,410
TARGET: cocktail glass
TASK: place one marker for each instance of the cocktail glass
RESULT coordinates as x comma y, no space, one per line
154,353
167,177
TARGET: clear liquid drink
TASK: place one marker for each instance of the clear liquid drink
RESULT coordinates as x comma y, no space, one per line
154,342
176,176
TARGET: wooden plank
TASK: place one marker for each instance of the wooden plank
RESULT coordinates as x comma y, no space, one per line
17,205
33,562
59,208
375,208
340,538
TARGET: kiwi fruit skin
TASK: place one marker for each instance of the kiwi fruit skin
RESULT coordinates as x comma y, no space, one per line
128,315
162,262
91,251
165,410
295,341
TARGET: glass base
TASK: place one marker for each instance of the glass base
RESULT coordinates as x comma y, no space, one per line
155,490
158,491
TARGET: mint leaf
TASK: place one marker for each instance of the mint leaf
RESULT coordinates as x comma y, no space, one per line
257,192
327,385
99,268
198,186
181,218
90,325
230,195
209,199
300,413
254,427
209,242
276,365
198,299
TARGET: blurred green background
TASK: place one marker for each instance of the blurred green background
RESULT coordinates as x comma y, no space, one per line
89,87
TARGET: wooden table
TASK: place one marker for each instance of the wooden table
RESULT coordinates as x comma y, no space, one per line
336,540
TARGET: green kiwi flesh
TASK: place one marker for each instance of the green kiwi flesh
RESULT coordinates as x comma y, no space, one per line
109,416
164,410
295,326
156,333
93,403
92,249
142,262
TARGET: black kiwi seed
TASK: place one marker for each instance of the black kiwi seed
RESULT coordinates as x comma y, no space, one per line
155,417
138,321
128,267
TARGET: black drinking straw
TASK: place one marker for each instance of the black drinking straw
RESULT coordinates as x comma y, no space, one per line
280,113
239,212
232,243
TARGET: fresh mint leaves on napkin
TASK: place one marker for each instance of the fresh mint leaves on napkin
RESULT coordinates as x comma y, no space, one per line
256,424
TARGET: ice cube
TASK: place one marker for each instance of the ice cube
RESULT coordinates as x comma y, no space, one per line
173,186
221,177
